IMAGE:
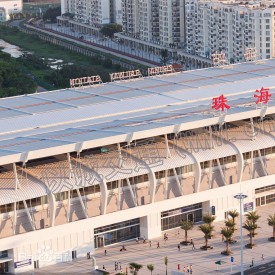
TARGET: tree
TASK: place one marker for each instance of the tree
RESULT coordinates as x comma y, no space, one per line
134,268
271,222
227,232
186,226
233,214
151,268
51,14
252,216
230,224
250,226
110,29
207,230
164,56
208,218
166,263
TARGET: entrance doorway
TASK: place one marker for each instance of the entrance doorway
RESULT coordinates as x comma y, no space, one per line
99,241
4,267
190,217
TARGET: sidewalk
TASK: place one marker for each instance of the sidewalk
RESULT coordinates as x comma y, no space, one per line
203,262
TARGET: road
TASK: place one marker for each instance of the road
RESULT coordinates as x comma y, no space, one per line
264,269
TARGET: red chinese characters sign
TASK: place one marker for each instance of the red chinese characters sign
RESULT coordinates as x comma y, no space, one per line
219,103
262,95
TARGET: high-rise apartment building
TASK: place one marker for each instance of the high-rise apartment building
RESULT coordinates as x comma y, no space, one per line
9,8
157,21
93,12
230,26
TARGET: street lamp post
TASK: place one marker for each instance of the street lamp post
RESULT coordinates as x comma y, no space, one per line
240,197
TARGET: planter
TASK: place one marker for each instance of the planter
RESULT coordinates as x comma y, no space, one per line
231,242
271,239
249,245
226,253
206,247
185,243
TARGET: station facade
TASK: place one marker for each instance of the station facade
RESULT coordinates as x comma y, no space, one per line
88,167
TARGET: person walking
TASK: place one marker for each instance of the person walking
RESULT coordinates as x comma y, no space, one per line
158,245
104,267
105,252
188,270
184,269
191,269
150,243
192,243
178,247
115,266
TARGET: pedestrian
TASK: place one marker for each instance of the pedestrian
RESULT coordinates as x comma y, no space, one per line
88,255
192,243
115,266
137,240
120,265
150,243
188,270
184,270
178,247
191,269
178,267
105,252
103,267
262,256
158,245
252,262
126,270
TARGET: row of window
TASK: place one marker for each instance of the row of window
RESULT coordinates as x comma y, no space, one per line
265,189
20,205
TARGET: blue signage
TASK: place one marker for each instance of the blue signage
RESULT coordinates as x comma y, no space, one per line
22,263
232,259
248,207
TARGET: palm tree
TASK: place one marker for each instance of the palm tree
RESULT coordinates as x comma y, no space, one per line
230,224
186,225
134,268
166,263
233,214
227,232
250,226
252,216
164,56
151,268
208,218
207,230
271,222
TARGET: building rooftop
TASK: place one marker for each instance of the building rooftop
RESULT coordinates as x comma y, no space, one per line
69,120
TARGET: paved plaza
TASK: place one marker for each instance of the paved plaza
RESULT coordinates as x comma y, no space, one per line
203,262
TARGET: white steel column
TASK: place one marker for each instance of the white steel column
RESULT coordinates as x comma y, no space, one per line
82,203
70,166
210,173
252,165
119,195
102,185
262,162
166,184
221,171
119,156
29,215
131,192
69,206
168,153
14,218
17,184
177,180
151,175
